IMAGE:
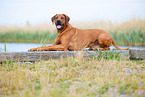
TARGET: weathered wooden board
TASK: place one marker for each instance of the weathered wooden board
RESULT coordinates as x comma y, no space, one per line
40,55
137,53
45,55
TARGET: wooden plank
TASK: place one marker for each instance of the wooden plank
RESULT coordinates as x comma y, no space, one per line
45,55
137,53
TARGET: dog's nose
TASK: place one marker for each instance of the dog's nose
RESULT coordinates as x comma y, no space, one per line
58,20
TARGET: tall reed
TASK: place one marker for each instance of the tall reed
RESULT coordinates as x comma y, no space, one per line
132,31
26,37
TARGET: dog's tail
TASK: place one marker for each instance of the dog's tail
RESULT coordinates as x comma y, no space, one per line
120,48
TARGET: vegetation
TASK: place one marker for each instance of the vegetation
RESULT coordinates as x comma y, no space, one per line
132,31
136,37
74,77
108,75
27,37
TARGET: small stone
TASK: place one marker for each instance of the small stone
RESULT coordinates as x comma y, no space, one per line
123,92
141,84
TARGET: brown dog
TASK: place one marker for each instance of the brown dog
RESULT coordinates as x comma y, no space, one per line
70,38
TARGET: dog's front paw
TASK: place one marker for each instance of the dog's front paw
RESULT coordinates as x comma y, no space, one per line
42,49
32,49
39,49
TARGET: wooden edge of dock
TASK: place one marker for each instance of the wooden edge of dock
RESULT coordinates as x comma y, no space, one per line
46,55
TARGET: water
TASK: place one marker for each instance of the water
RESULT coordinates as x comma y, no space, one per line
24,47
18,47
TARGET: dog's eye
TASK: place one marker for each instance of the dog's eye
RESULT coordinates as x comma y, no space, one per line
56,17
62,17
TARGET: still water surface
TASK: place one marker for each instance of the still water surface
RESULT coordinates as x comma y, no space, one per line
18,47
24,47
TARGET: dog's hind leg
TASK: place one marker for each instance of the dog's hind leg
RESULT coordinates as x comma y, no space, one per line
104,48
70,48
94,47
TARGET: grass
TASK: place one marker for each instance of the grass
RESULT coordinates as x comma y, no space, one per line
5,47
135,36
125,33
106,75
74,77
26,37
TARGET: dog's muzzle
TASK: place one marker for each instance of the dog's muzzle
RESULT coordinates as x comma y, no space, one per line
59,25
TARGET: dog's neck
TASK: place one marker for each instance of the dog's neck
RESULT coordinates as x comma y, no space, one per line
65,28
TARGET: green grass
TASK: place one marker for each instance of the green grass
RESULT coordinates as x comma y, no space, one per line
74,77
26,37
134,36
124,33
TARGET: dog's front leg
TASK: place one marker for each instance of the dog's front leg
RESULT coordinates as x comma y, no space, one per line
53,48
34,49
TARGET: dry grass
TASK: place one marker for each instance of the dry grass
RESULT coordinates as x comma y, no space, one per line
28,28
132,31
112,27
108,26
73,77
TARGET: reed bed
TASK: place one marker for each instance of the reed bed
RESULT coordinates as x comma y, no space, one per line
132,31
74,77
28,37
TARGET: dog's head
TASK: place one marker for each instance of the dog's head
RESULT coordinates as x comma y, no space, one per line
60,20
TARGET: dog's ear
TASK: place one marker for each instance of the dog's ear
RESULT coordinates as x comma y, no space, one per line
67,19
53,18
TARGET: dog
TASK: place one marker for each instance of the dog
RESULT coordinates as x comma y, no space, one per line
73,39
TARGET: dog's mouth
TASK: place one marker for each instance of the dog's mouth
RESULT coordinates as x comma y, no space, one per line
59,25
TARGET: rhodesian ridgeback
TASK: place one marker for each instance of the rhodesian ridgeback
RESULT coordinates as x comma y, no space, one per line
73,39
